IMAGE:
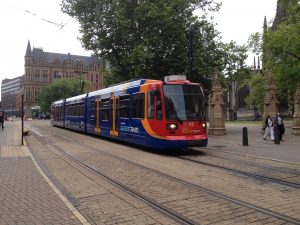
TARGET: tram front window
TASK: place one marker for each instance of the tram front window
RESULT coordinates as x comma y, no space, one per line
183,102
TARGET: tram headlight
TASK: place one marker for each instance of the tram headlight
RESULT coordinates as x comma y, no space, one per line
204,125
172,126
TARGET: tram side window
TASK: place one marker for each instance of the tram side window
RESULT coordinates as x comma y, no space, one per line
125,106
150,105
81,109
138,105
93,109
105,104
154,105
56,115
61,113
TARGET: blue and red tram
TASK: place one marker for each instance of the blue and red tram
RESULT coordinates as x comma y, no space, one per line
152,113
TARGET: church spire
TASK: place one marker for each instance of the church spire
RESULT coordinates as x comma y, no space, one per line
28,50
264,45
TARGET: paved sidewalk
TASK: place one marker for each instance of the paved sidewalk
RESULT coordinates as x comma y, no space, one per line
288,149
25,195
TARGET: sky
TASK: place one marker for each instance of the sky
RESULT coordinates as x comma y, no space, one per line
21,21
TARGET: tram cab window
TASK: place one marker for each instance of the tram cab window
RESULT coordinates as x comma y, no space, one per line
154,105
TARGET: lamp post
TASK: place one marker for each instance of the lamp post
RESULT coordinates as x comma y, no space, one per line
22,117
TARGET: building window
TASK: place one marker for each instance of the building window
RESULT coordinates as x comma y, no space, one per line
45,75
57,74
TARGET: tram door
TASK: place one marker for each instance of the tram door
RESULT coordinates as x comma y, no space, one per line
114,121
97,109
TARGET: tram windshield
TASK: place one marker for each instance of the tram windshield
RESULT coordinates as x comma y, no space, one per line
183,102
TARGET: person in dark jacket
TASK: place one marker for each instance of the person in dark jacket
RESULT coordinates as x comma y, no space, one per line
279,123
2,119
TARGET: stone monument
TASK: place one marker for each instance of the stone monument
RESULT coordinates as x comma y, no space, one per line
296,116
270,100
216,105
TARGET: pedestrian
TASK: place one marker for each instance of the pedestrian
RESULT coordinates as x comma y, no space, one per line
269,129
279,123
2,119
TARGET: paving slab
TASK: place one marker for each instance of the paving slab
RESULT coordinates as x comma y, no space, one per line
288,150
26,196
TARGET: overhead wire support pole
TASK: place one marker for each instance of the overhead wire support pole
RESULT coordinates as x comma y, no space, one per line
22,119
190,55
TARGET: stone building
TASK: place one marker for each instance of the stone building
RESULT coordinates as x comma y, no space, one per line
9,89
43,68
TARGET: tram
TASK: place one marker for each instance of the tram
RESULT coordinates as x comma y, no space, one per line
168,114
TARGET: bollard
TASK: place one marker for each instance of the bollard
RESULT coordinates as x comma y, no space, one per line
245,136
276,135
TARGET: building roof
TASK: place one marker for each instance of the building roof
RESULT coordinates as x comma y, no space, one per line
50,57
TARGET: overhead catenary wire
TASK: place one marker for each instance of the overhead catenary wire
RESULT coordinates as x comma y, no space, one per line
61,25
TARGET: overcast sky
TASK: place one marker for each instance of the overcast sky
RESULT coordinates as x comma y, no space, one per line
237,20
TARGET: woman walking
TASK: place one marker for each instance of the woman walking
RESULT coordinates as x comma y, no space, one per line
269,129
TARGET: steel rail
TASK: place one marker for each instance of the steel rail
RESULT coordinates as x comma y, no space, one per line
257,176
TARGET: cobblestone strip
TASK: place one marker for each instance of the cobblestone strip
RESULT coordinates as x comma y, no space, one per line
259,193
263,194
192,203
97,200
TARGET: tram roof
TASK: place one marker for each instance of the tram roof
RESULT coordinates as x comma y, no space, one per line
118,87
78,97
58,102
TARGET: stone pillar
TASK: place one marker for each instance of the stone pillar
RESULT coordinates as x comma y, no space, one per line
296,116
216,105
270,101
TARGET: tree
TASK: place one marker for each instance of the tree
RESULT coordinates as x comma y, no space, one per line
235,72
255,43
283,44
61,89
256,97
146,38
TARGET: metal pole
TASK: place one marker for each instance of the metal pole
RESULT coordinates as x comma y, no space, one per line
245,136
190,53
22,115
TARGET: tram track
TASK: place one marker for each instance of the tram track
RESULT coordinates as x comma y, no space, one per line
252,175
169,212
178,218
93,168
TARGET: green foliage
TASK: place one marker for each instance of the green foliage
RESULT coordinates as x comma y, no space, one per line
148,39
255,43
61,89
234,59
256,97
280,48
284,60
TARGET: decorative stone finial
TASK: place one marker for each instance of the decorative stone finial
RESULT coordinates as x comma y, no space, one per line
270,100
296,116
216,103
